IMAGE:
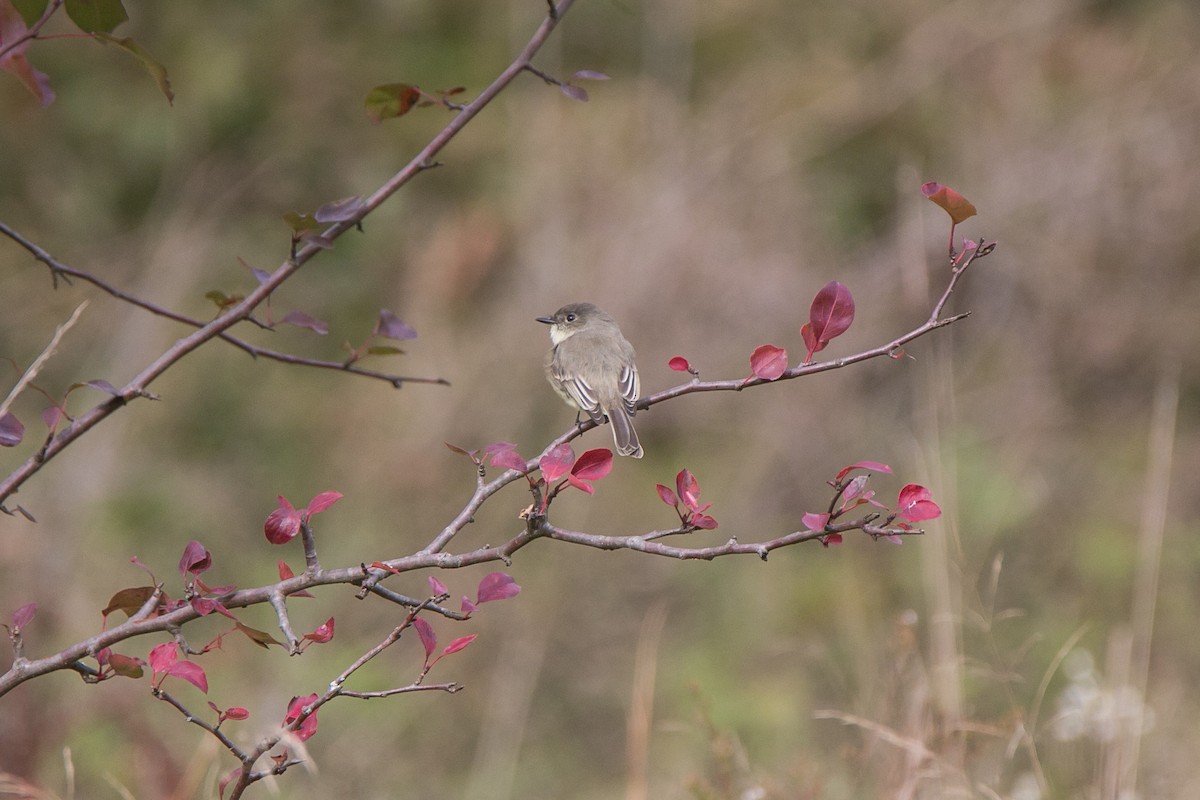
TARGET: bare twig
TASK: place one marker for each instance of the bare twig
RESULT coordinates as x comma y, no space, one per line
45,355
58,268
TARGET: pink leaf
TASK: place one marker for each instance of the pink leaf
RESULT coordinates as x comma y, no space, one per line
814,521
873,466
831,312
195,559
23,615
302,320
427,636
437,587
322,501
283,523
666,495
856,487
574,92
679,364
590,75
557,462
581,485
390,326
504,454
467,607
11,430
237,713
459,644
688,488
831,538
496,586
51,416
593,464
703,521
12,28
915,504
768,361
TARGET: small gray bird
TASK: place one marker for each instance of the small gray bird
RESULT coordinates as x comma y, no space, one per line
591,366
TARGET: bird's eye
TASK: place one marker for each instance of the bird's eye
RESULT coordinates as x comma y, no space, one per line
570,317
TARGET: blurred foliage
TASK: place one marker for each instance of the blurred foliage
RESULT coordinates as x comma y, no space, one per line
740,157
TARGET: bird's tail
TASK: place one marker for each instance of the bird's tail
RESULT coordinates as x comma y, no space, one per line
624,436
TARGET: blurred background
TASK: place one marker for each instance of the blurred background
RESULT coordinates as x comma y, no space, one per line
1039,642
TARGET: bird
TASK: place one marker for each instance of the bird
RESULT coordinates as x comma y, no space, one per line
591,366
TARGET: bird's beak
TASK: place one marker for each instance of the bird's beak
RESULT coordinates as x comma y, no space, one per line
547,320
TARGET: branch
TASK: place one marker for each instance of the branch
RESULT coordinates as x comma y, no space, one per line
136,387
58,268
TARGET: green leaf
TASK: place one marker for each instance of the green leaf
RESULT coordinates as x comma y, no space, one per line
391,100
30,10
299,223
384,350
96,16
152,65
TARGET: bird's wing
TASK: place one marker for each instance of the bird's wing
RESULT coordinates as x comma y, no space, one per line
631,387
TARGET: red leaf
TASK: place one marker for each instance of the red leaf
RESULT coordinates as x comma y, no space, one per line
191,672
496,586
437,587
467,607
195,559
814,521
125,666
162,656
283,523
322,501
831,538
322,634
688,488
237,712
285,572
427,636
294,712
666,495
391,100
459,644
22,616
958,207
811,345
593,464
768,361
703,521
557,462
679,364
831,312
11,430
873,466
